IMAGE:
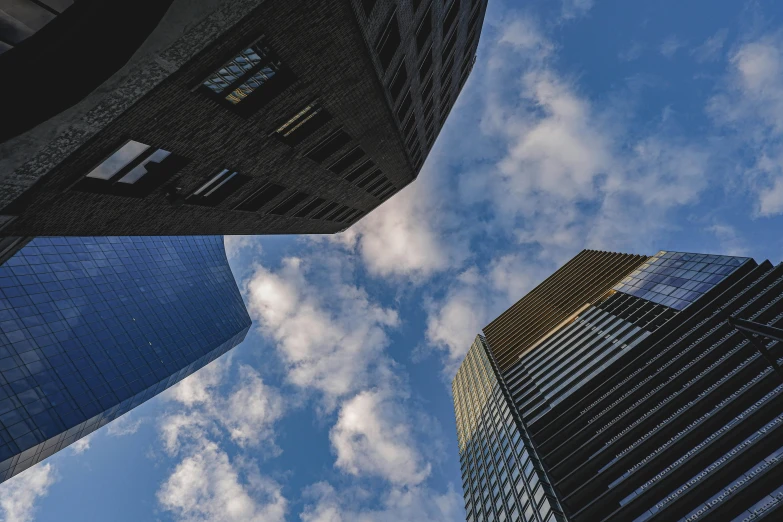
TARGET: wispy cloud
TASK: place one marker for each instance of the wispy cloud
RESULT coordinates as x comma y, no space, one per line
750,107
575,8
712,48
670,45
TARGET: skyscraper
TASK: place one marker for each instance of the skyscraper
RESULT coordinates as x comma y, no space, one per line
240,117
647,398
92,327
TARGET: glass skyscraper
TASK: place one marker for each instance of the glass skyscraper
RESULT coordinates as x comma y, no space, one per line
92,327
634,395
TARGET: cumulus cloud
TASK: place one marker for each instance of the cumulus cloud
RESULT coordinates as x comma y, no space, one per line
234,245
330,334
247,413
81,445
326,504
18,496
413,235
207,486
750,105
373,437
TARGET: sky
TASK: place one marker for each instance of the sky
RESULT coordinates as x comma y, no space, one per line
613,125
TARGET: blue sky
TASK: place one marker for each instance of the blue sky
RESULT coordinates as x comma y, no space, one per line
615,125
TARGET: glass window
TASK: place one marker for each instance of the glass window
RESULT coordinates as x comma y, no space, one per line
117,161
244,74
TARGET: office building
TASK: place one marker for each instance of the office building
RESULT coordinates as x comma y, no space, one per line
644,389
92,327
240,117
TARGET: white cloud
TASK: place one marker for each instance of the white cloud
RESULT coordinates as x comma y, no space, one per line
454,321
18,495
128,424
670,46
373,436
234,245
712,48
247,413
750,105
575,8
207,486
81,445
631,53
731,243
413,503
328,331
412,235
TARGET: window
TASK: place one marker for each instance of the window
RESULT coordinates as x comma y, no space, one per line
409,126
302,124
289,203
368,5
445,93
344,214
352,214
428,107
424,30
473,19
332,215
398,82
325,210
255,69
328,146
383,188
388,42
426,65
412,139
217,188
374,186
260,197
449,46
348,159
427,90
369,178
386,193
404,107
133,170
416,4
451,15
310,207
358,171
446,72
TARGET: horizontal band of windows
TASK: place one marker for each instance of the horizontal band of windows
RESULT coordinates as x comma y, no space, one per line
302,125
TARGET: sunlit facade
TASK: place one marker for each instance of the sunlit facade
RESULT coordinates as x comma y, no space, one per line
643,403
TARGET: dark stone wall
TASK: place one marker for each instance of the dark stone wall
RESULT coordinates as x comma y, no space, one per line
325,45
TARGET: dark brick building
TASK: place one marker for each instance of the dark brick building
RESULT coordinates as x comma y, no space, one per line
217,117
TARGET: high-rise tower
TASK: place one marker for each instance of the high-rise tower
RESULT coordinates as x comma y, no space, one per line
226,117
92,327
647,398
